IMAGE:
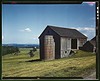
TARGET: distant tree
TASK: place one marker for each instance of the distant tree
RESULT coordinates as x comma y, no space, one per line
9,50
34,49
17,50
31,53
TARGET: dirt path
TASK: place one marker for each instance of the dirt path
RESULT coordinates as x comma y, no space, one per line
91,75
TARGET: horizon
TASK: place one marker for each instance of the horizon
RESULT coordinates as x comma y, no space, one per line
23,24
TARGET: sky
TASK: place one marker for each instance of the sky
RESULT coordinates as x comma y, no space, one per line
23,23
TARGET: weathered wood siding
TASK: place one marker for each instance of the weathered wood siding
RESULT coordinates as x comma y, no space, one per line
78,43
49,47
81,42
65,46
69,43
56,37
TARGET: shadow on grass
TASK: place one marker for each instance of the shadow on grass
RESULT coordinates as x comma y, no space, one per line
30,60
33,60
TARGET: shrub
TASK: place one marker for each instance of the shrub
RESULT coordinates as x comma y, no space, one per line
9,50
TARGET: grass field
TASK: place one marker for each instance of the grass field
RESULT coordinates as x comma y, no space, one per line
76,66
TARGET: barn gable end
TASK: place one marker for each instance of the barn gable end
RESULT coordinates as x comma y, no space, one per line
56,37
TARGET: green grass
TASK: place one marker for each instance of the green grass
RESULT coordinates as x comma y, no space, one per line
76,66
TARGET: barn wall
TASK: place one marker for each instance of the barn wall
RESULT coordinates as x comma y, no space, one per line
69,43
56,37
41,48
65,46
82,42
78,43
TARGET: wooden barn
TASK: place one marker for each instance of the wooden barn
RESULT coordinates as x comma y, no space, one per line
89,46
57,42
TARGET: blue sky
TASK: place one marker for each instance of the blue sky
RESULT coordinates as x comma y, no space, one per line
23,23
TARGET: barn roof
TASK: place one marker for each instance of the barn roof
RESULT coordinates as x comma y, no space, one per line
93,41
67,32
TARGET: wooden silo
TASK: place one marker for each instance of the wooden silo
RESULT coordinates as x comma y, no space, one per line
49,47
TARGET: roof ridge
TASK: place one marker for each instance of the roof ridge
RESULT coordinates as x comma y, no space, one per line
60,27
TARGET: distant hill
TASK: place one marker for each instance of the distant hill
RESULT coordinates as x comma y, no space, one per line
21,45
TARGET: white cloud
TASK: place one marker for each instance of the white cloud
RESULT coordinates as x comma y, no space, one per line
87,31
2,37
27,29
86,28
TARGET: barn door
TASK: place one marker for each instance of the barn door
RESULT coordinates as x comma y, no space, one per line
74,44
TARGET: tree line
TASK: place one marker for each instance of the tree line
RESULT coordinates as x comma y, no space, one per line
9,50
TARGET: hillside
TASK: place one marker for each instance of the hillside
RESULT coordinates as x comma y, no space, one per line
76,66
